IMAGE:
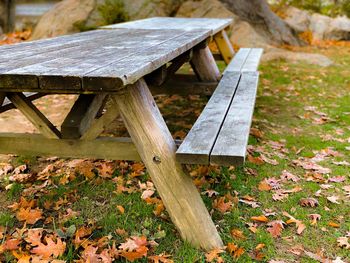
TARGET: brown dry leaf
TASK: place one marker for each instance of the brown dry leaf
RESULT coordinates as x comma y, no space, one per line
34,236
221,205
106,170
275,228
314,218
23,203
121,209
310,202
289,176
333,199
255,160
162,258
51,248
214,255
159,209
343,242
238,234
134,255
264,186
30,216
333,224
22,257
260,246
261,218
256,133
10,244
234,250
81,233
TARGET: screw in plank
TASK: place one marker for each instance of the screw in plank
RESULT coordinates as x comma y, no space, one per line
156,159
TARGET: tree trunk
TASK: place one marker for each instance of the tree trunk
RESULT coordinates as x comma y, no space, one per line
260,16
7,15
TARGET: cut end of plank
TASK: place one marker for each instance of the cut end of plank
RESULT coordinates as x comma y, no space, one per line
12,81
227,160
190,158
102,84
59,83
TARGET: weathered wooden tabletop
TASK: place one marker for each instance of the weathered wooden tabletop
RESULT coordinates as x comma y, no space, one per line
101,60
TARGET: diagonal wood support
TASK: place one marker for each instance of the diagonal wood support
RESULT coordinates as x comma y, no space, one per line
224,45
34,115
82,115
204,65
157,150
100,124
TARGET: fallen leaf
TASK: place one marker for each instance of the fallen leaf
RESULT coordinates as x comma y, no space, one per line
51,248
343,242
261,218
310,202
333,199
30,216
275,228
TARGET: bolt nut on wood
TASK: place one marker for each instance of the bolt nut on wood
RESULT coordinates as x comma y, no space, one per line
156,159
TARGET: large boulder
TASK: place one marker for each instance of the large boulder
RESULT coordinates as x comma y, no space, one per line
204,8
322,27
71,16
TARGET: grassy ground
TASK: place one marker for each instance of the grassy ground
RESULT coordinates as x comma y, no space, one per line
302,113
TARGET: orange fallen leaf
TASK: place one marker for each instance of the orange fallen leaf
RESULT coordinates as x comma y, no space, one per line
51,248
261,218
264,186
333,224
121,209
30,216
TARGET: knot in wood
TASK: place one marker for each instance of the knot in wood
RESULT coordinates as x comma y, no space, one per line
156,159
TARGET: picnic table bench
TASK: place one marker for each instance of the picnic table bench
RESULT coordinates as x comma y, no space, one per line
124,63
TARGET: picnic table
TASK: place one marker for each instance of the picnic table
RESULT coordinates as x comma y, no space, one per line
121,63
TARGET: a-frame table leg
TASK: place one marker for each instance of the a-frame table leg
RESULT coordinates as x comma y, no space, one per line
224,45
157,150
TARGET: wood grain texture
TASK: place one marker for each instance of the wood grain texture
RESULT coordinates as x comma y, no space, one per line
82,115
8,105
213,24
157,150
29,110
38,145
231,143
200,140
224,45
101,59
252,62
238,60
246,60
100,124
204,65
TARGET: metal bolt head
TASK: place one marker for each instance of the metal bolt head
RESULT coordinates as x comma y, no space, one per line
156,159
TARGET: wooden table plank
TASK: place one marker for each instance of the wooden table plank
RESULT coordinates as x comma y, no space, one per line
200,140
213,24
66,72
231,143
130,69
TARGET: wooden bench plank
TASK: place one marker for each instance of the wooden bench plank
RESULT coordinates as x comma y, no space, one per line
246,59
238,60
252,62
200,140
213,24
231,143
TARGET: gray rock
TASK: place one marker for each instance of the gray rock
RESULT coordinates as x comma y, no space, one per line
319,25
71,16
309,58
297,19
339,29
